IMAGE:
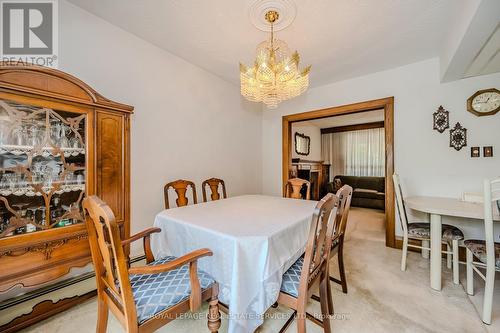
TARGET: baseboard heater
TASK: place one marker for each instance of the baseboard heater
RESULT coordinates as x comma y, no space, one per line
56,286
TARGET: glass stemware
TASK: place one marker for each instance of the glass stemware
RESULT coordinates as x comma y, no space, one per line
36,134
70,177
4,182
74,142
4,132
64,143
13,183
55,132
16,135
47,177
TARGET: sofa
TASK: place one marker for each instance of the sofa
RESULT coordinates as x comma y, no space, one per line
368,192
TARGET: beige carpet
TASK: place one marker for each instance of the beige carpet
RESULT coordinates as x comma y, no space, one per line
381,298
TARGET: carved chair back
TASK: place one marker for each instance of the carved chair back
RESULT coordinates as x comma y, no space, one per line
110,262
318,245
214,184
293,188
403,217
180,187
345,195
491,199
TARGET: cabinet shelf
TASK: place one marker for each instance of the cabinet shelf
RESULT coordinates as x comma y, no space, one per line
45,151
29,191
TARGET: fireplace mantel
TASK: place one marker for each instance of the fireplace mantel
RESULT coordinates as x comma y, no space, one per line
316,172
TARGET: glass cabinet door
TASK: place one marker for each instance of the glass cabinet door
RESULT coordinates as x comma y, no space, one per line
42,168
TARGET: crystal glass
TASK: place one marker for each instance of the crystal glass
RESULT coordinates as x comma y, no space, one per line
74,142
55,132
16,135
4,182
26,126
4,132
63,141
36,134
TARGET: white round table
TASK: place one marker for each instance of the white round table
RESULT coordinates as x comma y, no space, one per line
438,207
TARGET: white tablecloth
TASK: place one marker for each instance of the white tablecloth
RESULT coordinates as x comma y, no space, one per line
254,238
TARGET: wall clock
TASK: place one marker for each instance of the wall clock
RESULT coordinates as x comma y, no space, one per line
484,102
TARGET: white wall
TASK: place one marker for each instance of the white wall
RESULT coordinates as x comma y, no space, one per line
423,158
191,124
314,132
187,123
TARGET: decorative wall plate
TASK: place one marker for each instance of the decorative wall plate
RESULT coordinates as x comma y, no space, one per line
458,137
441,119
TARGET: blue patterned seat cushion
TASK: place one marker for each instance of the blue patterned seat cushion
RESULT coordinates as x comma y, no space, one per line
478,248
291,278
154,293
423,230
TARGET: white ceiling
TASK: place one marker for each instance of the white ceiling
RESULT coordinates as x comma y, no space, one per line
345,120
339,38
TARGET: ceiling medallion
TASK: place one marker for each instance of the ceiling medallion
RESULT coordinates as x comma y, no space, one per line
286,9
275,75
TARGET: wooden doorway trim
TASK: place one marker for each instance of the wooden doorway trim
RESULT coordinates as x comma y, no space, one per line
385,103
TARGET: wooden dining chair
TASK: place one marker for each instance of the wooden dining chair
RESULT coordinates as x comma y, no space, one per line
294,186
144,298
422,231
345,195
487,250
214,184
311,269
180,187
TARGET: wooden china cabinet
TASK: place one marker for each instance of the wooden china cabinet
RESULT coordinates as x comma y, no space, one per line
59,141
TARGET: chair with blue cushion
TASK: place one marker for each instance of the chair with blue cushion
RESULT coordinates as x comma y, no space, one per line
144,298
485,254
421,231
311,269
340,223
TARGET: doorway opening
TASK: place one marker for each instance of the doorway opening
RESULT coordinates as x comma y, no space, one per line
371,126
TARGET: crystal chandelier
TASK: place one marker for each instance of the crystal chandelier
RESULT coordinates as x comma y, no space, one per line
275,75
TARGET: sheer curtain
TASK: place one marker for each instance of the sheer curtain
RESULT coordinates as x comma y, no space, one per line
355,153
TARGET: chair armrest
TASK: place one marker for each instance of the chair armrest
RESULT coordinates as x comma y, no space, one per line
192,259
146,241
171,265
142,234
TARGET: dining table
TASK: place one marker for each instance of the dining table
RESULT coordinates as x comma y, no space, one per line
254,240
437,207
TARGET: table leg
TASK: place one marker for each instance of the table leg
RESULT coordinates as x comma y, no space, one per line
425,253
436,251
